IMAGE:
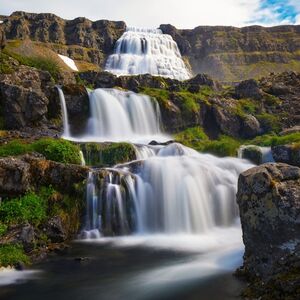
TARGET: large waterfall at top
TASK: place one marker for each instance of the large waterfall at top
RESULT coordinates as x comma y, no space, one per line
142,51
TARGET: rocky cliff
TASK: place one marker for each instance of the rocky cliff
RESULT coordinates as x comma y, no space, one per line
82,38
233,54
225,53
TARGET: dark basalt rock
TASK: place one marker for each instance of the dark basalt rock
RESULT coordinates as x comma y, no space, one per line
289,154
248,89
55,230
19,175
78,106
269,204
48,28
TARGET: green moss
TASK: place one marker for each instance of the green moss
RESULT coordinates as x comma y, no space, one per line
83,82
224,146
198,140
108,154
271,123
53,149
3,229
5,66
11,255
58,150
274,140
28,208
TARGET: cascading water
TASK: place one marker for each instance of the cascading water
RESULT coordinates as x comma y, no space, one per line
119,116
142,51
64,110
175,190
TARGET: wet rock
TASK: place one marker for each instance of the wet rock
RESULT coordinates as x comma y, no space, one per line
55,230
78,106
269,204
21,174
289,154
252,153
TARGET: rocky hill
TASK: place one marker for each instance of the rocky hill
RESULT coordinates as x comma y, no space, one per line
225,53
231,54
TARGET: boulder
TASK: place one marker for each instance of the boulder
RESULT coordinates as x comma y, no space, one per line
248,89
252,153
18,175
269,204
289,154
55,230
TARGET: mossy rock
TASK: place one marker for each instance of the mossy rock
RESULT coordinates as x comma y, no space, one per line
107,154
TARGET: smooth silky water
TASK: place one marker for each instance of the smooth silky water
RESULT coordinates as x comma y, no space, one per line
162,227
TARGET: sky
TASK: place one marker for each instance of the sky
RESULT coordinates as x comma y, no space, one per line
182,14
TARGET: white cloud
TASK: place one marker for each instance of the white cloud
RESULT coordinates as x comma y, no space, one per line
152,13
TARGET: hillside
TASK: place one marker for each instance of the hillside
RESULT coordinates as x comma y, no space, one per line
225,53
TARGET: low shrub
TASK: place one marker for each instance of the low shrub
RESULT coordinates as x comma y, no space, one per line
10,255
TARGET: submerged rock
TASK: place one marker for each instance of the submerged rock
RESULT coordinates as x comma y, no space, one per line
269,203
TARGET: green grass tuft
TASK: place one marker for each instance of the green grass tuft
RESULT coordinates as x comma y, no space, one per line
11,255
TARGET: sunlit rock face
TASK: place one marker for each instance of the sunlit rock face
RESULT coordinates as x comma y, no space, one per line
143,51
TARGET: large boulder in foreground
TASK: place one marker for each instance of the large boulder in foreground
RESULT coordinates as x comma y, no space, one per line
269,202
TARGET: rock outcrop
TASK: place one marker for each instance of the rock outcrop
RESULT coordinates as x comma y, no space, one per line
99,36
233,54
269,203
19,175
289,154
2,38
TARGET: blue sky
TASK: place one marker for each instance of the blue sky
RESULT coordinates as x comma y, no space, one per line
181,13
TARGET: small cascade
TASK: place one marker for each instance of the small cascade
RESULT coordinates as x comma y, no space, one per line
257,154
93,213
173,190
147,51
267,155
64,110
119,115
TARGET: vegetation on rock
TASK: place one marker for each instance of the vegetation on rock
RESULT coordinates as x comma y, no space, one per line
11,255
53,149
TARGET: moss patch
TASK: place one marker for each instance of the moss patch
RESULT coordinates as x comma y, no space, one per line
53,149
11,255
100,155
196,138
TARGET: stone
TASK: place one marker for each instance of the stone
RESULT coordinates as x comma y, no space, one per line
289,154
248,89
269,204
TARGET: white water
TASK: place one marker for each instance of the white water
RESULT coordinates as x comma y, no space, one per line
266,153
142,51
66,133
176,191
120,116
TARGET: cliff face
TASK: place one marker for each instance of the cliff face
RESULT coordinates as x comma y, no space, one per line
99,36
232,54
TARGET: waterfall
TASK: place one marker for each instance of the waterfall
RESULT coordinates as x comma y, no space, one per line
118,115
176,190
142,51
64,112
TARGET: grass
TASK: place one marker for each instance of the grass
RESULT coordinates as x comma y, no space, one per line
196,138
38,62
31,208
11,255
5,66
275,140
58,150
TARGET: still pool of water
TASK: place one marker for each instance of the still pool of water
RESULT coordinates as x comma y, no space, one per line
135,269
